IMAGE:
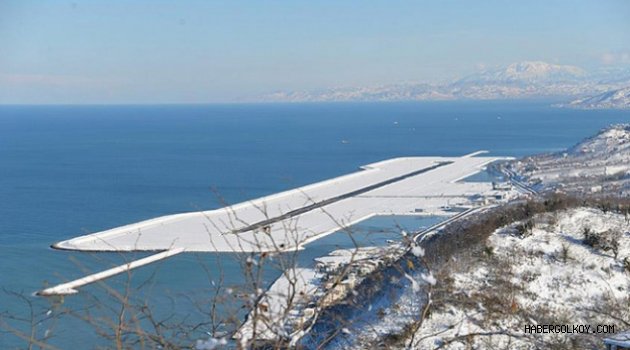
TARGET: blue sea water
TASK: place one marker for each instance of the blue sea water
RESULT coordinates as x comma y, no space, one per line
71,170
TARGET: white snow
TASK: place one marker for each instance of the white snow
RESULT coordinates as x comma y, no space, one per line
345,256
429,278
415,286
586,277
417,251
536,263
287,296
527,72
296,297
214,230
210,344
517,80
597,164
619,98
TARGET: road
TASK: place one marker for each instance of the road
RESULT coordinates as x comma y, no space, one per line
520,186
418,236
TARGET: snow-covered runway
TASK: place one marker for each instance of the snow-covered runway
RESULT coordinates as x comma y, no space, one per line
290,219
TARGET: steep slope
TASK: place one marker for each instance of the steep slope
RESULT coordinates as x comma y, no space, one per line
619,98
548,275
599,164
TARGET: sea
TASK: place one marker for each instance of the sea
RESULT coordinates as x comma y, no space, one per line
71,170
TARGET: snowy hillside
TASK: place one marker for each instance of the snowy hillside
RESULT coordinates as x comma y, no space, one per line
619,98
599,164
549,275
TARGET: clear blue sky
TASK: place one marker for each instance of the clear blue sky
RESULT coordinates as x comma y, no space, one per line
212,51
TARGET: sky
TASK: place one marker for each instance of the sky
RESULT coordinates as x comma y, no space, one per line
119,52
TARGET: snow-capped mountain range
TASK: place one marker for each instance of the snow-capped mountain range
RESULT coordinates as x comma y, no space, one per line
527,73
619,99
529,79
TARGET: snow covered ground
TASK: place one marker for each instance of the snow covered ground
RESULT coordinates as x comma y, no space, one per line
383,304
290,219
280,310
619,98
285,310
600,164
546,276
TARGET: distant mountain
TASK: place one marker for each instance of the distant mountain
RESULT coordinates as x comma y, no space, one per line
613,74
526,73
394,92
524,80
529,79
619,98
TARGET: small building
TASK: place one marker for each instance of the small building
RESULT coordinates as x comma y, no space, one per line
619,341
